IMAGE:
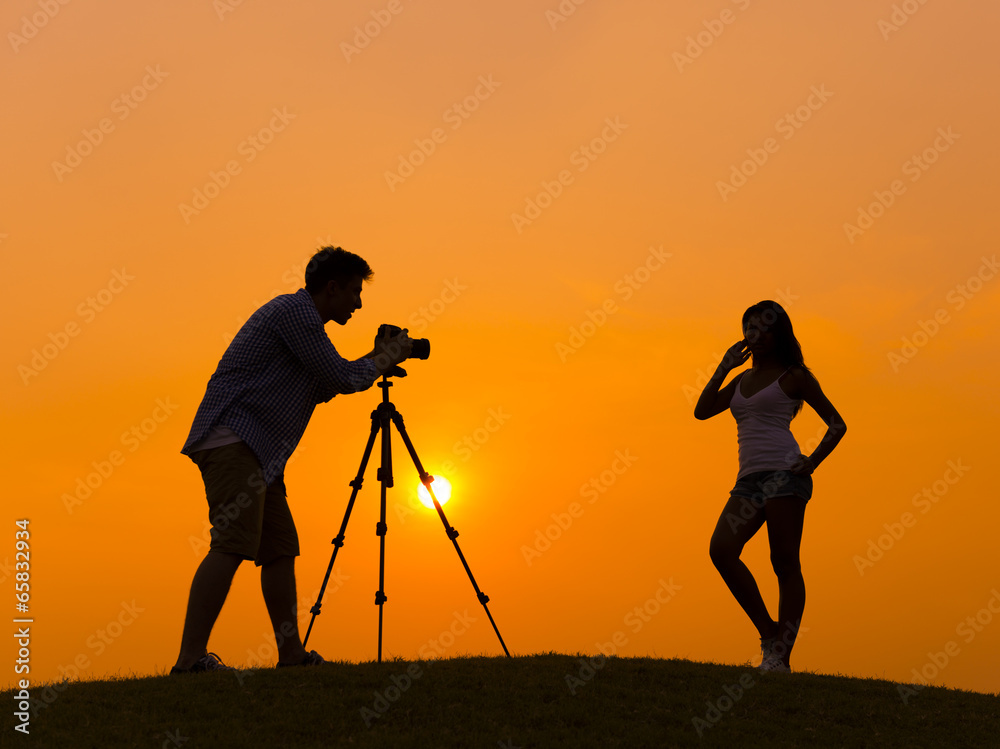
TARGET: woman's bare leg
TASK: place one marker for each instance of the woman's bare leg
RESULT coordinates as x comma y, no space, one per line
740,520
785,516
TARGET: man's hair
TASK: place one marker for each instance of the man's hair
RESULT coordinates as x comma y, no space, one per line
335,264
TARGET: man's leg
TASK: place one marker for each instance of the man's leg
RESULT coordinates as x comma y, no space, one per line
277,583
208,592
235,508
279,545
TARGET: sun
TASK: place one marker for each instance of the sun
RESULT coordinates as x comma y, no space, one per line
442,490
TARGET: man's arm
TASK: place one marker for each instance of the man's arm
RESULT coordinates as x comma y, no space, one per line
306,338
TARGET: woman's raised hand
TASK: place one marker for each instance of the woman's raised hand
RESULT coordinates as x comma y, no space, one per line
737,354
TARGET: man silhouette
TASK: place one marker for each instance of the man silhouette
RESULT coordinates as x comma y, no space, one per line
256,407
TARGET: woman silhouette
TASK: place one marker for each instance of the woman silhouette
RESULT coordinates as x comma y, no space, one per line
774,481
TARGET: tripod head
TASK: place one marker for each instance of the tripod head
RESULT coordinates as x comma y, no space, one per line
385,383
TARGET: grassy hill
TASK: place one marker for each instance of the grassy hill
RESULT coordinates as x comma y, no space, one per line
537,701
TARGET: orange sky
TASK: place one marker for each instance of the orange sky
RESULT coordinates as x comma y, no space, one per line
511,175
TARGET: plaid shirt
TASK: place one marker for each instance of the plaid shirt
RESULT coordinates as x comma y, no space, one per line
275,371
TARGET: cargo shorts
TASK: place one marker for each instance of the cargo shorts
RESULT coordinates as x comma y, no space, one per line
249,517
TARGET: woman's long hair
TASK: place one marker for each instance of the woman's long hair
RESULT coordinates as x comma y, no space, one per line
786,348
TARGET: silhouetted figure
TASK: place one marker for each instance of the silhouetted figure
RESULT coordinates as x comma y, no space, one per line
774,482
279,366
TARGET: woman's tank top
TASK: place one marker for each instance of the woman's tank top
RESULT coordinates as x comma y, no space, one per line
762,428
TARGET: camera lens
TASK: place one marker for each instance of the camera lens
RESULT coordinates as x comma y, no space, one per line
421,346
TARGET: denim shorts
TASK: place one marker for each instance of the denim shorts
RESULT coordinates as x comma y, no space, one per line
762,485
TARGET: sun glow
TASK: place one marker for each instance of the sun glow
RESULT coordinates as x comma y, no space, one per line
442,490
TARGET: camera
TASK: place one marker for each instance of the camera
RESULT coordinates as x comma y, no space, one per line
421,346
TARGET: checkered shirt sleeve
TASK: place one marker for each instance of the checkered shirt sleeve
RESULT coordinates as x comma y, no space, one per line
277,368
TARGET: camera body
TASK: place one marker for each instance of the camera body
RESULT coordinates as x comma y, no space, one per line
421,346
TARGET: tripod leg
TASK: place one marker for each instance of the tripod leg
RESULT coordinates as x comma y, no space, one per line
385,479
426,480
339,540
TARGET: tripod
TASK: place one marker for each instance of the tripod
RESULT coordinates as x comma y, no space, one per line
381,418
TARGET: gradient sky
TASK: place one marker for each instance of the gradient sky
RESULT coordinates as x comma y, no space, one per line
575,209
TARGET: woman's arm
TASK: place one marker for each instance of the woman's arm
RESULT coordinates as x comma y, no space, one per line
712,400
807,388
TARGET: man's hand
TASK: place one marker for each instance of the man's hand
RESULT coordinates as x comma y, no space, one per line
391,350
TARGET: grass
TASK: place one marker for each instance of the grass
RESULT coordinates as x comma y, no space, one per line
545,700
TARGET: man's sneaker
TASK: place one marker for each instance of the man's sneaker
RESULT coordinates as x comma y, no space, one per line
312,659
208,662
